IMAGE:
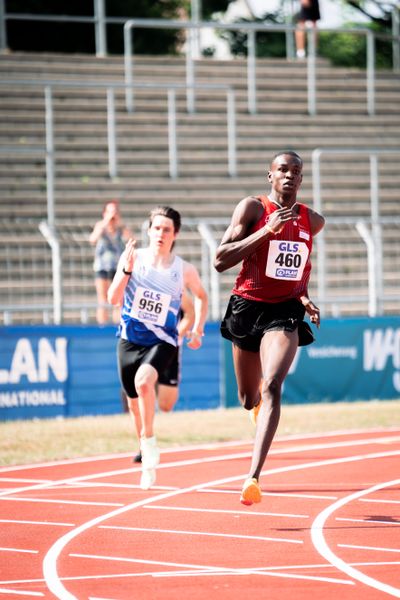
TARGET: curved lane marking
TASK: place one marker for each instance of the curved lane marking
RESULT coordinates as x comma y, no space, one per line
50,561
318,539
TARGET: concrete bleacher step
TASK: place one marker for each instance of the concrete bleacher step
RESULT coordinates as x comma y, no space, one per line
203,189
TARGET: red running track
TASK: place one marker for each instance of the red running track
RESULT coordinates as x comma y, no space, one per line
328,525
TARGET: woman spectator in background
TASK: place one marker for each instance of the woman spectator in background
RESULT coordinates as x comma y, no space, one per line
109,237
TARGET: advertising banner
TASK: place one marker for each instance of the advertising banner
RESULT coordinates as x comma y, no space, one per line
351,359
70,371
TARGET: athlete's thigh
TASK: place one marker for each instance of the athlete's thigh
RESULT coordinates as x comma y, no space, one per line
277,351
247,370
167,396
146,374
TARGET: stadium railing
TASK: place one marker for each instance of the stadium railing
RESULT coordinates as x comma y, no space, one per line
110,87
345,282
100,21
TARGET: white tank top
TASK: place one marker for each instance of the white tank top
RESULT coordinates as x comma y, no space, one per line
152,301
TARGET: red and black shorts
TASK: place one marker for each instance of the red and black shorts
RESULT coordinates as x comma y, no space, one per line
246,321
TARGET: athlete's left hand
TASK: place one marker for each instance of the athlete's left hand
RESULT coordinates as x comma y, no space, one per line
194,340
314,313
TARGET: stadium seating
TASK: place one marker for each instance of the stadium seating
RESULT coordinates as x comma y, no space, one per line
203,188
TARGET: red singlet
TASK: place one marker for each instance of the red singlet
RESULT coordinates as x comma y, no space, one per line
278,270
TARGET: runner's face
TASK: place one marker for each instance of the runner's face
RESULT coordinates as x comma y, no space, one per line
285,175
162,233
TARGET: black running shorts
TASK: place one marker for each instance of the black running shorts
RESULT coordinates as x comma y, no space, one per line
246,321
309,13
164,357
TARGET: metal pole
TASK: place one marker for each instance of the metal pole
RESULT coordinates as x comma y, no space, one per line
49,234
128,63
195,14
371,73
190,75
172,145
321,254
369,242
100,28
112,145
396,34
376,230
289,33
208,237
3,27
251,72
231,118
311,76
49,155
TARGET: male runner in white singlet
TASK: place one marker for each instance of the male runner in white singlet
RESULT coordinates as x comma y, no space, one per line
149,284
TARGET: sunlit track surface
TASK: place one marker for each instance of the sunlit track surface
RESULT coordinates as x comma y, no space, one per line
329,524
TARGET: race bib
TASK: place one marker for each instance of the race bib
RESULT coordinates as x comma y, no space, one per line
286,260
150,306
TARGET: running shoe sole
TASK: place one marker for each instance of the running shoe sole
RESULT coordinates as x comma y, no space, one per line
251,492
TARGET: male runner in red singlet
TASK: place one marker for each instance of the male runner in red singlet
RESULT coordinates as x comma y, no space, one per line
264,319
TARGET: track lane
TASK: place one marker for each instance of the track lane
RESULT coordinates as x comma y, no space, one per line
284,492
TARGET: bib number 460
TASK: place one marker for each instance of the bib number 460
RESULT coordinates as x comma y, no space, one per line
288,260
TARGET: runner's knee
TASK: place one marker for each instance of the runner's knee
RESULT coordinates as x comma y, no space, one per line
271,389
248,401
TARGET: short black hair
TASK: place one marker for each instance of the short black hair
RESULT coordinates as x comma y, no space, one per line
170,213
290,152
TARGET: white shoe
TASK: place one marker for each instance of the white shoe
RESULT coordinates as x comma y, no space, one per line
150,452
147,479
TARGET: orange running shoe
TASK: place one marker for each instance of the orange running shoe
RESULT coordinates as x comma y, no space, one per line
251,492
256,409
253,414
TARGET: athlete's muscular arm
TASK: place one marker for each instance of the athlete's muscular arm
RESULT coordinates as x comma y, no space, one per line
236,243
317,221
193,283
117,287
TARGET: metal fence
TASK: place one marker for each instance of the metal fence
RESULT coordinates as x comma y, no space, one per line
100,21
28,294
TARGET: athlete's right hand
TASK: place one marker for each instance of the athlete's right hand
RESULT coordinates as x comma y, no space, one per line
279,218
130,254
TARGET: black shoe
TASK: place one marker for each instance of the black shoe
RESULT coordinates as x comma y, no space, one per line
137,458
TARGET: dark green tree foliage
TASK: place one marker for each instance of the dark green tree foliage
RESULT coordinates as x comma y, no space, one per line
208,7
269,44
79,37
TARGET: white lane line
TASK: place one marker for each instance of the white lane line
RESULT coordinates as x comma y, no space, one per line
278,494
21,593
224,511
318,539
3,549
208,446
50,561
256,570
379,501
367,521
208,571
98,484
374,548
116,472
37,522
204,533
55,501
24,480
203,460
230,572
